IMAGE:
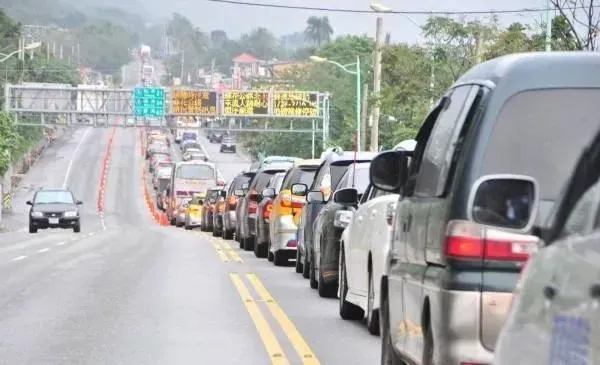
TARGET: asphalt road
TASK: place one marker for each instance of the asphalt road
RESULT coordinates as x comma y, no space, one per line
128,291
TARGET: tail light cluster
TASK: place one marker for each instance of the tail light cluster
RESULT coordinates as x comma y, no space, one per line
232,202
289,201
252,202
181,193
220,206
267,211
468,240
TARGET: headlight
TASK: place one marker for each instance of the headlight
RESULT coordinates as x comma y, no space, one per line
342,218
70,214
37,214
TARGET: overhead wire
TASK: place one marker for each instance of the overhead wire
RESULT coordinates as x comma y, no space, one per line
404,12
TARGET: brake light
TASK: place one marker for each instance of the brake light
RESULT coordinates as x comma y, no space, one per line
220,206
469,240
292,243
289,201
252,207
267,211
232,202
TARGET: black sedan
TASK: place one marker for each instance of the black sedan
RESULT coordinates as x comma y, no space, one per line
54,208
228,144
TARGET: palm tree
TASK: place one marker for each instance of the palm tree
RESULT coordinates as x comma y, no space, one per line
318,29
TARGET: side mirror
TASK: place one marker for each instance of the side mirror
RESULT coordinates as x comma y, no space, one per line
348,196
315,197
29,202
299,189
504,200
245,186
389,170
239,193
342,218
268,193
79,202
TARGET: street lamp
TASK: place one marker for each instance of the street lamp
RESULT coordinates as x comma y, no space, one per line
26,48
356,72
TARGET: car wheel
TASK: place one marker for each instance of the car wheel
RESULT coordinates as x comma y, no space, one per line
348,311
279,258
372,314
77,228
215,232
299,266
32,228
260,250
306,267
314,284
327,290
227,234
249,243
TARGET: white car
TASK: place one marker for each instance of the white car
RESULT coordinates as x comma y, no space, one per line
364,249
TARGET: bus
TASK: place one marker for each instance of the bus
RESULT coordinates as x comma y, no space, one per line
188,179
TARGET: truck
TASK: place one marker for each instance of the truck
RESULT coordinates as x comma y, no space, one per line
145,51
186,126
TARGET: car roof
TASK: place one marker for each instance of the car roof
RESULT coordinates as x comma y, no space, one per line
537,70
54,189
195,162
345,158
276,167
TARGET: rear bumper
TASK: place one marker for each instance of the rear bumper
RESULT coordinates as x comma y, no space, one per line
284,234
218,221
229,220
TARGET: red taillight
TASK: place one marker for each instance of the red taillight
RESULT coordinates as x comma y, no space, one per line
252,207
288,201
181,193
292,243
267,210
232,202
469,240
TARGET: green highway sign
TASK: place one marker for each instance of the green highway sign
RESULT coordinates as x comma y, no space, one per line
149,102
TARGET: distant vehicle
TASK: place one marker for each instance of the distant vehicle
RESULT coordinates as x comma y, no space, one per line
184,146
130,122
228,144
216,137
195,156
54,208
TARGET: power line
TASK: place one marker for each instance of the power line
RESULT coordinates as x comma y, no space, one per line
416,12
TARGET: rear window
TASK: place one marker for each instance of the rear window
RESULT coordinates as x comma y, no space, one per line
338,170
262,179
299,176
540,133
239,181
195,172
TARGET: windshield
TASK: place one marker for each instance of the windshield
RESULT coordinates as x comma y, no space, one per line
164,172
195,172
53,197
299,176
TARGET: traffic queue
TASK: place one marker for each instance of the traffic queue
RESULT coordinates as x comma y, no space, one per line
475,243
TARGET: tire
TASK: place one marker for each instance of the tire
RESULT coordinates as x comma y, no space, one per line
314,284
260,250
187,227
172,222
306,267
270,256
241,242
427,346
299,266
227,234
32,229
348,311
279,258
372,314
326,290
216,233
249,243
77,228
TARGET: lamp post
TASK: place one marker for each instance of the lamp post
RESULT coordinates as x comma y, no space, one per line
356,72
26,48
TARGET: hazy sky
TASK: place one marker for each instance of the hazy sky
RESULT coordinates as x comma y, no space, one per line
237,19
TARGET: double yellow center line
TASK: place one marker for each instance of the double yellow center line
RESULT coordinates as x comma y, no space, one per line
224,250
272,345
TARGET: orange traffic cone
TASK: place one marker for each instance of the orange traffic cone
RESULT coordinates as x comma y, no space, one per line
163,219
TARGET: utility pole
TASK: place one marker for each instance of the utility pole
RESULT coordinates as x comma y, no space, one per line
478,48
182,62
364,117
376,86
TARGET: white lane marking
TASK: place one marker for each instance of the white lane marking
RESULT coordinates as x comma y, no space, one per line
91,234
70,166
19,258
44,250
61,243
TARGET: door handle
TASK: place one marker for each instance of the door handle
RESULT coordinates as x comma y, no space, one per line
595,291
407,223
550,292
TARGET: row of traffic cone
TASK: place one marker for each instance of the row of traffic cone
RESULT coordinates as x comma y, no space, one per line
104,171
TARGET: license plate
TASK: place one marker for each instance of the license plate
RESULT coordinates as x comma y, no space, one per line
53,220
